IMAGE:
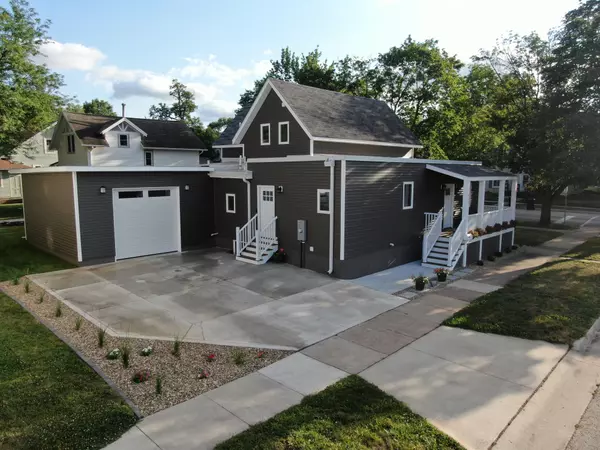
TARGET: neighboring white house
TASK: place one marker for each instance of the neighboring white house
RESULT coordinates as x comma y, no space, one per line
36,151
90,140
10,184
522,181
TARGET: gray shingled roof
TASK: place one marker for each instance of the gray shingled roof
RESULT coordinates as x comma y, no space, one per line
329,114
473,171
160,133
228,133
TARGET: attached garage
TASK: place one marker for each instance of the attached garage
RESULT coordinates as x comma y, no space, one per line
117,212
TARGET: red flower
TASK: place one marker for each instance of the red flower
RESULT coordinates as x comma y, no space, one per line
260,354
211,357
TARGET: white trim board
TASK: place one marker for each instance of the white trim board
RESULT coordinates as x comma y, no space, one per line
231,174
467,178
174,148
77,224
324,157
343,211
129,122
359,142
63,169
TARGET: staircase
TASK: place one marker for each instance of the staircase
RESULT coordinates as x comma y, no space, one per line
254,245
251,254
438,256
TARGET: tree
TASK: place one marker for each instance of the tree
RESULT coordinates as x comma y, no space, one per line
98,107
29,92
182,107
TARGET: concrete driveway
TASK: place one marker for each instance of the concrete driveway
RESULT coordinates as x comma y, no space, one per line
210,297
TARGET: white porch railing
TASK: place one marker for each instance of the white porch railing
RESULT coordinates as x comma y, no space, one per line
433,230
459,236
265,238
508,214
245,235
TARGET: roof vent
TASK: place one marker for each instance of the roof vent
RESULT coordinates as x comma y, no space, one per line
123,109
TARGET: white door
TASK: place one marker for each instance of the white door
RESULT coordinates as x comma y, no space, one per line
448,205
146,221
14,182
266,205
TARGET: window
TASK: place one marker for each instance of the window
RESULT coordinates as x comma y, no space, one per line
323,201
267,196
230,203
48,145
123,140
265,134
159,193
408,194
496,183
131,194
71,143
148,158
284,132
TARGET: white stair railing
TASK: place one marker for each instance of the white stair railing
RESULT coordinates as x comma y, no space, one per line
433,230
245,235
265,238
457,240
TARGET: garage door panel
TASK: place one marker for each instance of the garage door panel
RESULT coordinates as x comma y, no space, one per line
146,221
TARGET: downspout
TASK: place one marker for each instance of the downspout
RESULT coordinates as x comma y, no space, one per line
245,180
331,164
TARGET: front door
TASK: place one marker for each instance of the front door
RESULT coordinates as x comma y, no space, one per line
266,205
448,206
14,182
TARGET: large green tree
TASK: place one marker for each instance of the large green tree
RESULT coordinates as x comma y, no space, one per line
29,91
98,107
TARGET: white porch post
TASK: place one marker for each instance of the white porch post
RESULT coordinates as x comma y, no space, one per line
465,205
481,204
513,200
501,189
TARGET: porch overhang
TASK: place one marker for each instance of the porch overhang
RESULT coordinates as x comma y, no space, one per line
471,172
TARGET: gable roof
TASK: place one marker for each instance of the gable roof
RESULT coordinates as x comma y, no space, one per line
226,137
169,134
333,116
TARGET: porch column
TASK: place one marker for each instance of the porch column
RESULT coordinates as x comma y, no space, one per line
481,205
465,205
513,199
501,189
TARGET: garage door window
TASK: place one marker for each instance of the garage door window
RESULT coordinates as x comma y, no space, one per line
159,193
131,194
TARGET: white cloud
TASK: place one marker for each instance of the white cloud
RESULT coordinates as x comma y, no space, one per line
221,74
69,56
268,52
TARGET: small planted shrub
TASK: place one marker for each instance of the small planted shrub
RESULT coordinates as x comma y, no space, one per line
498,254
507,250
505,225
491,258
420,281
480,262
513,223
146,351
489,229
515,247
498,227
78,323
481,231
280,256
238,357
211,357
203,374
40,298
125,354
260,355
141,376
15,280
113,354
158,385
58,310
442,274
27,286
474,233
176,348
101,337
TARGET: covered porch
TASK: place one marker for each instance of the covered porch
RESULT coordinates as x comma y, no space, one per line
466,214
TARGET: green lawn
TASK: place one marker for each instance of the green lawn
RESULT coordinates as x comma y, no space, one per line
11,211
552,226
49,398
349,414
18,258
526,236
588,250
557,302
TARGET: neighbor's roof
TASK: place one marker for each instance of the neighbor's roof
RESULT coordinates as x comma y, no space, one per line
160,133
228,133
470,171
5,164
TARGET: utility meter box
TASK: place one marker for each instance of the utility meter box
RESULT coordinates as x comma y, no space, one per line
301,228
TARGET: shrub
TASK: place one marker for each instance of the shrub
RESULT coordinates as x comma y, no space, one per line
260,355
58,310
504,225
489,229
211,357
515,247
203,374
480,262
513,223
27,286
101,337
498,254
146,351
158,385
125,353
474,233
498,227
491,258
176,348
113,354
507,250
15,281
78,322
280,256
481,231
41,298
238,357
141,376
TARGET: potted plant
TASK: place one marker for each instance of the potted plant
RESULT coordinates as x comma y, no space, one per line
280,256
420,282
505,225
442,274
513,223
498,227
489,229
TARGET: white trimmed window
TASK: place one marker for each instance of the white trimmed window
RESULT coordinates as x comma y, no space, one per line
408,194
148,158
48,145
323,201
70,143
123,140
284,132
230,203
265,134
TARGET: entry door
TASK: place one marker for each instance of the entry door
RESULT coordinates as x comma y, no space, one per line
266,205
14,181
146,221
448,205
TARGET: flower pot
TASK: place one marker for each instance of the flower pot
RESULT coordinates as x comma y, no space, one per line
419,285
441,277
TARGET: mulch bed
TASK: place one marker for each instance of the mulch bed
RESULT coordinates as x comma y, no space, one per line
180,376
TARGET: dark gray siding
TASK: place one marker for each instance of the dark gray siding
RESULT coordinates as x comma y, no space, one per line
234,152
472,253
96,210
50,213
225,222
273,112
379,234
300,181
490,246
335,148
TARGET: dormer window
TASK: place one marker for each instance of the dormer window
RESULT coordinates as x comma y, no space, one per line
265,134
123,140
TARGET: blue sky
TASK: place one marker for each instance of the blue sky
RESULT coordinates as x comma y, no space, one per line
129,50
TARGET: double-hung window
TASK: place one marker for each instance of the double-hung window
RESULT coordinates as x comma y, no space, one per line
123,140
284,132
323,201
265,134
148,158
408,194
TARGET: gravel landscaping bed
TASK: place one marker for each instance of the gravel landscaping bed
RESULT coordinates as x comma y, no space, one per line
180,376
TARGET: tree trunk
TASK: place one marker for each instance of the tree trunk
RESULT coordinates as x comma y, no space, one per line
546,214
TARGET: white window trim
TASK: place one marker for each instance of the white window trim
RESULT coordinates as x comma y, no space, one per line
2,178
319,192
412,194
227,210
263,125
74,146
151,158
119,140
288,133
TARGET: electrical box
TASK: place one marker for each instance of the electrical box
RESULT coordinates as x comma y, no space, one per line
301,229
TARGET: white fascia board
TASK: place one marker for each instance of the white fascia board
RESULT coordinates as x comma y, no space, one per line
258,101
467,178
231,174
129,122
323,157
228,146
377,143
173,148
68,169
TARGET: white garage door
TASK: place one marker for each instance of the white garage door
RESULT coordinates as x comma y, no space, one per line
146,221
